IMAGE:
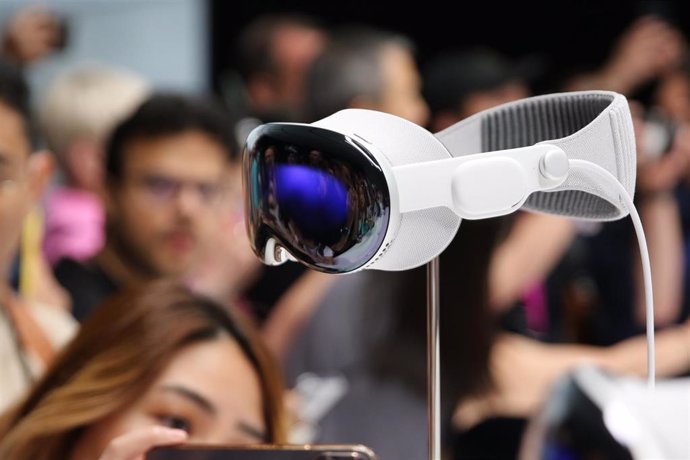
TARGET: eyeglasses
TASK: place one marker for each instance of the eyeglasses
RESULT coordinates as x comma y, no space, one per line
165,189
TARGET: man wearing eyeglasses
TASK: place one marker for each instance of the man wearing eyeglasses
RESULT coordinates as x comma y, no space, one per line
165,170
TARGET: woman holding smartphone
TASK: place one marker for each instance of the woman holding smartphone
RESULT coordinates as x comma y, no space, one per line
155,366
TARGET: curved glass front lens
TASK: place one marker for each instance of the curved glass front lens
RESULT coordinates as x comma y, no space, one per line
313,199
319,193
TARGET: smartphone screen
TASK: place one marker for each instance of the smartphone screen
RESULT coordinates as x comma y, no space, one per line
262,453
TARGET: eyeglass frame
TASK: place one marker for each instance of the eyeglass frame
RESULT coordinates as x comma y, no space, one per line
209,194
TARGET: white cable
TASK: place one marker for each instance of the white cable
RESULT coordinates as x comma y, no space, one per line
593,169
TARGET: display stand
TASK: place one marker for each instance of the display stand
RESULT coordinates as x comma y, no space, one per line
433,359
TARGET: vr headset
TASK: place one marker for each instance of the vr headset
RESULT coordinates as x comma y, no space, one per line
367,190
593,414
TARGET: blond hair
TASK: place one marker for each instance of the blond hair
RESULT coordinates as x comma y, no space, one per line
87,103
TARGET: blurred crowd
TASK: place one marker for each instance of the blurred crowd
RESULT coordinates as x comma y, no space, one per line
133,312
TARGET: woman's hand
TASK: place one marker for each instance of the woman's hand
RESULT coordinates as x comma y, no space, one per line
133,445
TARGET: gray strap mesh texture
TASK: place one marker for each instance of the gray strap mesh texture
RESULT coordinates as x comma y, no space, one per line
544,118
540,119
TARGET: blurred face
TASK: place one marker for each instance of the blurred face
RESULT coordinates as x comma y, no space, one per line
14,182
294,49
402,86
214,404
229,264
167,203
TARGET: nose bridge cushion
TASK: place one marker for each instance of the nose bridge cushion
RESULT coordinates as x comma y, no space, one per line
580,124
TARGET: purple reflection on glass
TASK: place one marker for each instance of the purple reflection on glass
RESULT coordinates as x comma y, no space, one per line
313,199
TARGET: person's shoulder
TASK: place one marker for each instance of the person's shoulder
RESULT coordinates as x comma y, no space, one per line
58,324
87,284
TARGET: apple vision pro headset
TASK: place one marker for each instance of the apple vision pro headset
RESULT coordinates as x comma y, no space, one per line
362,189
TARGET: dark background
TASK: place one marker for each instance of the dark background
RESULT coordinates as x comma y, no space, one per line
562,34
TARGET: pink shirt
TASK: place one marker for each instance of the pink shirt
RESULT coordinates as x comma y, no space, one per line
74,225
536,308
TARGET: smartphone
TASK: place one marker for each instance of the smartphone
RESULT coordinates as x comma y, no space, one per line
262,452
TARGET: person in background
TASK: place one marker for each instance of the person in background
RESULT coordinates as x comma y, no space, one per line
455,85
30,332
648,48
459,84
77,114
368,69
646,51
228,265
361,68
525,246
672,93
165,172
31,34
273,53
155,365
524,370
362,332
669,111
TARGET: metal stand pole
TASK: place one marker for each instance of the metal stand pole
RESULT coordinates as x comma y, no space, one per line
433,360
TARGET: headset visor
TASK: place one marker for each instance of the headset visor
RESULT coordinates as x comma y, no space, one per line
318,193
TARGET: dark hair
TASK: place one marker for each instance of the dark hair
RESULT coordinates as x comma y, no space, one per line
450,78
14,93
255,43
117,355
349,67
166,115
466,323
